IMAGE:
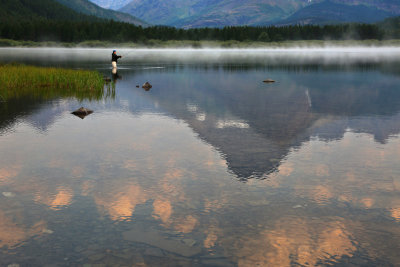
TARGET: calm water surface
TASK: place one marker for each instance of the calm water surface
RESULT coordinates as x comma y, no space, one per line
211,167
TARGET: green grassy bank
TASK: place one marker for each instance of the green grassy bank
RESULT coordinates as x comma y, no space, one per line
46,83
204,44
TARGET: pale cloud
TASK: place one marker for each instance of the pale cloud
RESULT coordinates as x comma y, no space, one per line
186,225
162,210
296,240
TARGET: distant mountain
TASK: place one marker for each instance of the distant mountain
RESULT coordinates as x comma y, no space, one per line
212,13
391,6
219,13
87,7
331,13
111,4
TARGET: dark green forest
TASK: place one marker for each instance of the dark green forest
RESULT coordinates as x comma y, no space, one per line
47,20
78,31
28,10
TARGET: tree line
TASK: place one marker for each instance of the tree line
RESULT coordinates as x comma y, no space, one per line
103,30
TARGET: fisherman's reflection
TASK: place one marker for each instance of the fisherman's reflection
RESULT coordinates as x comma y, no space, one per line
111,86
115,75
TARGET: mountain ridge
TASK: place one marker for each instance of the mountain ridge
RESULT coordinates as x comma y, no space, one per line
112,4
89,8
212,13
220,13
329,12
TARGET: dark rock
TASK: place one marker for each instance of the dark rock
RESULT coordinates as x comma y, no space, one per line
147,86
157,239
269,81
137,86
96,257
82,112
217,263
156,252
189,242
125,256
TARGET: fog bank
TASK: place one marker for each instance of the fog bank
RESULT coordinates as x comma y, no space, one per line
312,55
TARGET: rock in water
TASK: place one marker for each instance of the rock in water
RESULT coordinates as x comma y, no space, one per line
8,194
156,239
269,81
82,112
48,231
147,86
137,86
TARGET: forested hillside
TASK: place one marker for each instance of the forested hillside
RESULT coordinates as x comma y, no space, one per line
47,20
391,27
71,10
16,10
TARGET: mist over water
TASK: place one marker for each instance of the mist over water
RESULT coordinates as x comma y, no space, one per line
327,55
211,166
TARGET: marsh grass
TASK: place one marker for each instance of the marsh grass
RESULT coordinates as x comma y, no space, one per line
46,83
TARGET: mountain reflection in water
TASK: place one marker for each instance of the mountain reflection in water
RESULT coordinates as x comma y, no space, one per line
211,167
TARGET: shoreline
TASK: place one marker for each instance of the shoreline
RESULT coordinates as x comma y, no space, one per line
199,45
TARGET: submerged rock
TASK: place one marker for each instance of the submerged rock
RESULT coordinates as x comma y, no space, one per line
48,231
82,112
269,81
189,242
217,263
137,86
8,194
96,257
157,239
125,255
156,252
147,86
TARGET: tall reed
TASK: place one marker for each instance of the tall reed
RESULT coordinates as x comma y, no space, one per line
21,80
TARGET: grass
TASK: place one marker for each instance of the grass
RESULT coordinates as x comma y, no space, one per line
21,80
204,44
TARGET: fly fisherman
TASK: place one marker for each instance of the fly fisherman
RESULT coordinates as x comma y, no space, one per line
114,59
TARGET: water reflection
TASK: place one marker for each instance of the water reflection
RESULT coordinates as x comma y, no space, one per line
115,75
298,240
12,234
62,198
255,126
151,178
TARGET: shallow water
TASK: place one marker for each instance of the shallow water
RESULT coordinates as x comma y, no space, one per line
211,167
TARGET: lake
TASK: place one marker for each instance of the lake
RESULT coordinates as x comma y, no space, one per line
211,166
